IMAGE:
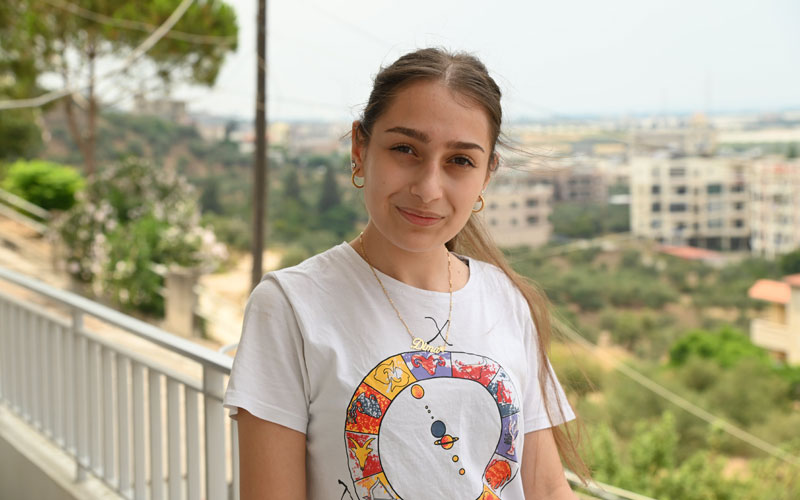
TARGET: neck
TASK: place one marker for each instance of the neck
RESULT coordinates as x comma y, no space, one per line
426,269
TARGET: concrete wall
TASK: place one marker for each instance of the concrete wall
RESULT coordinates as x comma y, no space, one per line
31,467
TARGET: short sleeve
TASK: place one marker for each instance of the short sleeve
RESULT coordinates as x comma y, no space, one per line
269,377
534,410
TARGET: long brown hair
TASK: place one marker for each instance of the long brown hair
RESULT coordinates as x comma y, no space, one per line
467,75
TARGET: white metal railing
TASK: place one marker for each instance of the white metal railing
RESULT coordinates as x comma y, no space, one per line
21,210
144,427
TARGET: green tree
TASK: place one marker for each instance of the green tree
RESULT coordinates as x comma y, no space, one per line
588,220
291,185
726,347
83,33
790,262
21,61
329,194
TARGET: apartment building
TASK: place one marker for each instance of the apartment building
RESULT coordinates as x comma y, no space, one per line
774,185
518,208
690,200
580,183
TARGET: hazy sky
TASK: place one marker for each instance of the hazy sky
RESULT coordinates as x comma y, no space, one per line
562,57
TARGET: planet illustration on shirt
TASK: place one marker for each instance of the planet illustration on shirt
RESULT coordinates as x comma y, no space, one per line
451,416
446,441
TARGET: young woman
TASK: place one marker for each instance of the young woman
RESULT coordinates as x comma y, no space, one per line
410,362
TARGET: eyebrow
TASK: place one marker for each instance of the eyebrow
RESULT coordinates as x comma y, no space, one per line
422,136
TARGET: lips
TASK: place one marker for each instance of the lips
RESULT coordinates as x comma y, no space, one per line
419,217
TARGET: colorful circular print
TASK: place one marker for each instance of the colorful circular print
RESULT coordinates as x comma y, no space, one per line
421,423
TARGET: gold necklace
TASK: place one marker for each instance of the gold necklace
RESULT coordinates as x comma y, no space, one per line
416,343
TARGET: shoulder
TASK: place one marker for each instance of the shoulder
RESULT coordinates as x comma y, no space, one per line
495,287
318,278
492,277
330,265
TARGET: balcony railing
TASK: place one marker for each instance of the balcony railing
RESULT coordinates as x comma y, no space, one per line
148,426
135,406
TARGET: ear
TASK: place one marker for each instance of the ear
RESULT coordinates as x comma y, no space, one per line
357,146
494,161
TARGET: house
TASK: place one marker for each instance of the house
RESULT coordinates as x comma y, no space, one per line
779,330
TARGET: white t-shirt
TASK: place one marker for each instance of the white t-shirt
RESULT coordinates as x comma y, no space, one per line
323,352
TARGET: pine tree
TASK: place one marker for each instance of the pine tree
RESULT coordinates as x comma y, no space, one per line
329,195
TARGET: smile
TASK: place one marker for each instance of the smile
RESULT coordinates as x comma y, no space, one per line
419,218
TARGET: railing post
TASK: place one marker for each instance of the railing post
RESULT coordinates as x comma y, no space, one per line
213,389
79,419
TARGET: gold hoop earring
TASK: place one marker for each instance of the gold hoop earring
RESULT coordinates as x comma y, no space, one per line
483,204
353,179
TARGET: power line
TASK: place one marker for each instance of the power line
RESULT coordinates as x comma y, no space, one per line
687,405
142,49
138,25
665,393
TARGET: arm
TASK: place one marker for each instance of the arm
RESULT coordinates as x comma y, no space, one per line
542,472
272,460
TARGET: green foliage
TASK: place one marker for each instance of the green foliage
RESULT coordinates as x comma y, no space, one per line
621,188
728,286
132,221
20,136
133,250
726,347
630,290
646,332
649,463
233,232
329,194
577,372
588,220
699,374
22,57
293,256
766,392
790,262
48,185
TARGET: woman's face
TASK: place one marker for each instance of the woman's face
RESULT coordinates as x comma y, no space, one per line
426,163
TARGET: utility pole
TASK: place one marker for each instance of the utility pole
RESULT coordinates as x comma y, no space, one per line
260,166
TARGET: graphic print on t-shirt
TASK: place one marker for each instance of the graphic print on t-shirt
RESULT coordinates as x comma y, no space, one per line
421,423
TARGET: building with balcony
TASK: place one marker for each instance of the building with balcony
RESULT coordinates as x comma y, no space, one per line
778,330
774,185
695,201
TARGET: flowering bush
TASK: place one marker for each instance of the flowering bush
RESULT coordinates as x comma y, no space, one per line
131,224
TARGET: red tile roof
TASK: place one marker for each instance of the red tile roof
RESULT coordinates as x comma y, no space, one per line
689,253
771,291
792,279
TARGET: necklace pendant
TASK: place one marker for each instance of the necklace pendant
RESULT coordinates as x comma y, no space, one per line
420,345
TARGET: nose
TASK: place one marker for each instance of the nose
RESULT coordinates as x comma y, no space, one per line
427,184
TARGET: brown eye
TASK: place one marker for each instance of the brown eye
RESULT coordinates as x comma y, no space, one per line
403,148
463,161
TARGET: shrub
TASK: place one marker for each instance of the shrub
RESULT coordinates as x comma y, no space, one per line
48,185
132,222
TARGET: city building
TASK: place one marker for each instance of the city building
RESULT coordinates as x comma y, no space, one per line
576,181
518,208
166,108
692,138
779,330
774,185
695,201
